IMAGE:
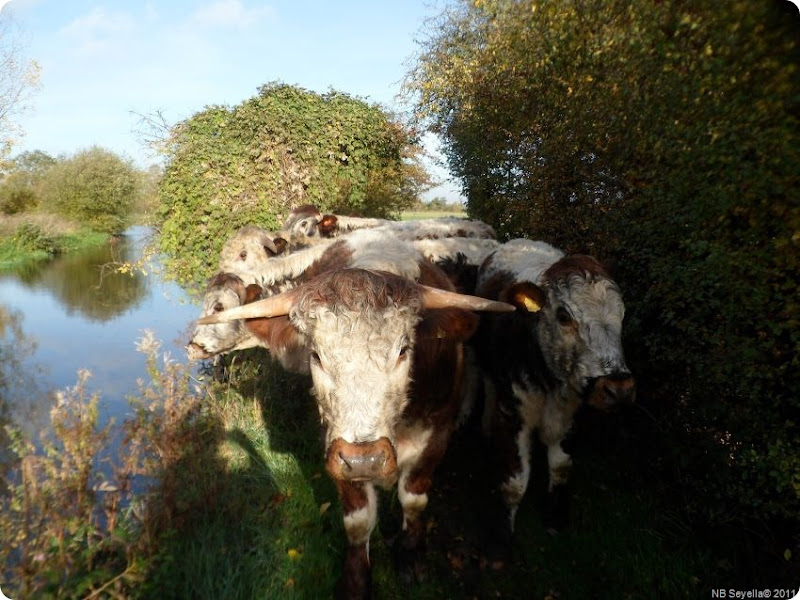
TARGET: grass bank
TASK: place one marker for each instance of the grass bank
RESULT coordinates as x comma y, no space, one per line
219,491
415,215
34,237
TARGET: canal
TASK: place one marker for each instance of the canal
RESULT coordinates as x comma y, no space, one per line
77,312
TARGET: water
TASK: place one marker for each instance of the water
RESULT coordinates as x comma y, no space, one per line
72,313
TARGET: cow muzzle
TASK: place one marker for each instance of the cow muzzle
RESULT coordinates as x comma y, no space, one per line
362,461
613,391
197,352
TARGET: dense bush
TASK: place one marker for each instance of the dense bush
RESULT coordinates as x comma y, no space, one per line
228,167
19,188
16,195
95,187
663,136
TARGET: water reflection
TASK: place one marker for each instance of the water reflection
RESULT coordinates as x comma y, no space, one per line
86,282
71,314
20,389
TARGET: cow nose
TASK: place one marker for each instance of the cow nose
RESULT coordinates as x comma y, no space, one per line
363,461
362,465
620,389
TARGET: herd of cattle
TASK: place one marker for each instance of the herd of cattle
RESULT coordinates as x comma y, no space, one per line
402,325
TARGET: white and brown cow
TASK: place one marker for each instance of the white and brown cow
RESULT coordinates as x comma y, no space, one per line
559,350
308,222
385,353
245,253
365,249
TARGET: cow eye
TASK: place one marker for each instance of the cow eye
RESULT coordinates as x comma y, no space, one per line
218,307
315,358
563,316
243,254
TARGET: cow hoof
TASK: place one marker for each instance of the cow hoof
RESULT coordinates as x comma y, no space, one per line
345,590
409,565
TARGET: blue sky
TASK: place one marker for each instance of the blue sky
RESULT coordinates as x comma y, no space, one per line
103,63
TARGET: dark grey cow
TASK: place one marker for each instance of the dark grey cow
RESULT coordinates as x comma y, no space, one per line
561,349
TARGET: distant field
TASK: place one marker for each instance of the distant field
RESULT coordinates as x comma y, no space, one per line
413,215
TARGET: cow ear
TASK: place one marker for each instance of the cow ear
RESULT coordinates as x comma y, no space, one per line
526,296
327,225
252,293
454,324
280,245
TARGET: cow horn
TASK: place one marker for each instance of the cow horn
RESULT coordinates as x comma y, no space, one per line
436,298
274,306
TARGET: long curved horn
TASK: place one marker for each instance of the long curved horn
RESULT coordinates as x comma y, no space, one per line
274,306
436,298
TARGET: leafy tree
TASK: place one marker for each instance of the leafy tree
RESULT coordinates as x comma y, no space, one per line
228,167
94,187
663,135
19,77
19,187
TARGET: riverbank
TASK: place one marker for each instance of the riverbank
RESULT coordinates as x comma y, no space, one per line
34,237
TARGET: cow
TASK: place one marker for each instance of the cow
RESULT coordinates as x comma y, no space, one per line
308,222
559,350
245,253
385,352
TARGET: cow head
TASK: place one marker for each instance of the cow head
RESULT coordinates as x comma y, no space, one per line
224,291
360,328
247,251
579,312
303,221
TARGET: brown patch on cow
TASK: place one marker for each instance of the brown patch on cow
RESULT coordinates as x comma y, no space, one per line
328,225
581,265
452,324
350,288
352,495
356,577
305,210
276,332
338,255
495,286
280,245
252,293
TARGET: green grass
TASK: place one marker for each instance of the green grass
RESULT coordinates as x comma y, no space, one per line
26,242
414,215
240,508
276,531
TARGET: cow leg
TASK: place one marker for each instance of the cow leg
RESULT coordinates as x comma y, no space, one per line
509,437
560,465
558,421
359,506
417,459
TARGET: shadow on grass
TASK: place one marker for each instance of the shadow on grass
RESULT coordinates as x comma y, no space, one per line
270,523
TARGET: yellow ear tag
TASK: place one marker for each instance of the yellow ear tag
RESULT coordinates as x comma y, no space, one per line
530,304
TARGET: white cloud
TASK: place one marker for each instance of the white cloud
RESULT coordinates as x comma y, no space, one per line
230,13
97,30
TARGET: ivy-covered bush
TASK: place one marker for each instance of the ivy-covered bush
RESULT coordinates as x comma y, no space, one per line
250,164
